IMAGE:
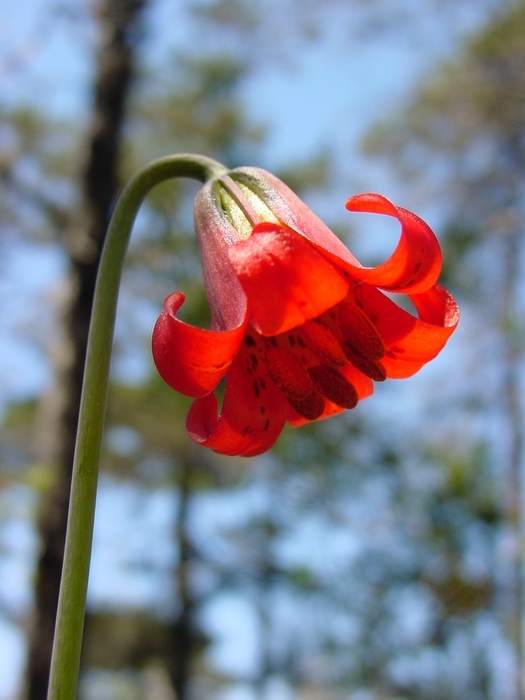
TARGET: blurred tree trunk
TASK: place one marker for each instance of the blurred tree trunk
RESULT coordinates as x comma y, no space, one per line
84,238
181,633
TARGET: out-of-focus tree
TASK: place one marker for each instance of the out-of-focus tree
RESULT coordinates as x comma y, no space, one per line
83,229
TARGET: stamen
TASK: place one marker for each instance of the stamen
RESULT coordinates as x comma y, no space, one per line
372,368
334,386
287,371
311,407
360,333
322,343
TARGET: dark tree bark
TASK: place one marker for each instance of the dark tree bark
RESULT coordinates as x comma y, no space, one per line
181,631
84,238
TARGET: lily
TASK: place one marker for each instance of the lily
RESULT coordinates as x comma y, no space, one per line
300,329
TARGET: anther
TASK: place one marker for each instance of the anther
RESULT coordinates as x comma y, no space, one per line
288,373
371,368
334,386
322,343
360,333
311,407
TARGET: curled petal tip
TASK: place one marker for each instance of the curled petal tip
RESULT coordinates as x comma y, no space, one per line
371,202
415,264
192,360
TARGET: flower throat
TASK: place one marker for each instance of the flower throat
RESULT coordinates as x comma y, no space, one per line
242,207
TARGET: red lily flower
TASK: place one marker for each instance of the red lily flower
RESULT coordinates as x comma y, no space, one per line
300,329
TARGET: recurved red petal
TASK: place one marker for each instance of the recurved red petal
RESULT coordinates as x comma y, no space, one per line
415,264
286,280
410,342
192,360
251,419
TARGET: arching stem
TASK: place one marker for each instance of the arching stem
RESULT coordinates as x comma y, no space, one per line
73,587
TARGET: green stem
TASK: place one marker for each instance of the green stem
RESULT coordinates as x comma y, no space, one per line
73,587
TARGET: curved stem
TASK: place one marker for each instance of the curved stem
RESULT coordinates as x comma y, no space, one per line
73,587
